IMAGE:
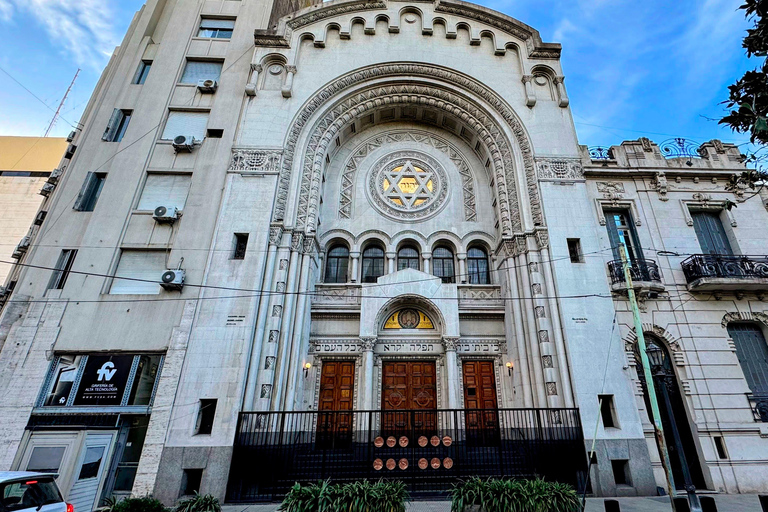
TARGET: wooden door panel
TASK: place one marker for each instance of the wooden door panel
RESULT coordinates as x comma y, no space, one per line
337,382
410,386
480,395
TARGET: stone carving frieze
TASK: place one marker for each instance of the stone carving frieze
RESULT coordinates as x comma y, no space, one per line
559,169
321,14
255,160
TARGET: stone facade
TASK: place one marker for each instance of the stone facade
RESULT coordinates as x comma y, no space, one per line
420,141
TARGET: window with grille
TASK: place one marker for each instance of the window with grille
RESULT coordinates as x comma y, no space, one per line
408,257
216,29
373,264
477,266
443,264
336,264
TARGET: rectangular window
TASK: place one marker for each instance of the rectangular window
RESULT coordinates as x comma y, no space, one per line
574,250
197,70
63,266
142,72
722,453
185,123
621,230
141,272
621,471
90,191
63,379
205,416
216,29
190,482
607,411
144,381
241,243
164,190
711,233
117,125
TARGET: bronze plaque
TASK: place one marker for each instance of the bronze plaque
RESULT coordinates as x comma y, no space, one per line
447,463
390,464
435,441
378,442
403,442
423,463
447,441
435,463
378,464
423,441
391,441
403,464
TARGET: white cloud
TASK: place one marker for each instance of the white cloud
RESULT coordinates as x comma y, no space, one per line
83,27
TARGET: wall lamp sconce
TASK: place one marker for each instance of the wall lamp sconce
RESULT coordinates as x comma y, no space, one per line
509,367
307,367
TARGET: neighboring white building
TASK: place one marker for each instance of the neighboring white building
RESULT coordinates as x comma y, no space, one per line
359,240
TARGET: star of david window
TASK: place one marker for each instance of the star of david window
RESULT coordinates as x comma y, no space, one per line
408,185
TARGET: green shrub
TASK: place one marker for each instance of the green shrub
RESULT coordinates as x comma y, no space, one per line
144,504
500,495
360,496
198,503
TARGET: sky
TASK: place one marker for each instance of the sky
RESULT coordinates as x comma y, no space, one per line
633,68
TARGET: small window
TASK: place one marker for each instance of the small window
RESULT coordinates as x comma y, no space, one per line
722,453
408,257
63,379
216,29
443,265
185,123
241,243
142,72
90,191
373,264
164,190
197,70
144,381
63,266
607,411
205,416
574,250
140,272
91,462
214,133
336,265
190,482
477,266
117,125
621,471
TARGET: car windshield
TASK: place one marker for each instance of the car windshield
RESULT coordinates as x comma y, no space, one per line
30,493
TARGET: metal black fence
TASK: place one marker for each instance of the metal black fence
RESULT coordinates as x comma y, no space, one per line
725,265
428,450
639,270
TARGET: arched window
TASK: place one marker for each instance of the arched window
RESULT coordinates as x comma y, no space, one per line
477,266
442,264
336,264
373,264
408,257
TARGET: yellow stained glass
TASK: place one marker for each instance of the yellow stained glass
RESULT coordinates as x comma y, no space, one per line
430,185
393,322
418,202
408,185
397,201
385,185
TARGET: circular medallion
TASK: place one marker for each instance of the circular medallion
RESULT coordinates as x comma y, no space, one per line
378,464
391,441
410,18
408,318
423,441
435,441
390,464
423,463
447,441
378,442
403,464
403,441
395,399
408,185
435,463
423,399
447,463
540,80
275,69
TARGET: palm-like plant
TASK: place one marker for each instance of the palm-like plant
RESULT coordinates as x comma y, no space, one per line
198,503
361,496
501,495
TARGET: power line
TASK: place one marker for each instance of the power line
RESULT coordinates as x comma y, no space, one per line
35,96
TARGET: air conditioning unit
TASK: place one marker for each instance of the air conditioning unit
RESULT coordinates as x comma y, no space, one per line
40,217
53,179
70,152
21,249
207,86
172,280
184,143
47,189
71,136
165,214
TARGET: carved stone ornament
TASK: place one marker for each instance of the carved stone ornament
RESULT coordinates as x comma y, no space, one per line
266,38
310,245
611,189
661,185
321,14
559,169
744,317
325,129
552,388
255,160
647,144
297,240
368,342
275,235
450,343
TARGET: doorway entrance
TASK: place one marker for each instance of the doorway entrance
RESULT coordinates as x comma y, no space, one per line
334,422
480,402
409,398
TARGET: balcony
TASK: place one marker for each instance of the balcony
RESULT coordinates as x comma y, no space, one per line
759,405
645,274
725,272
429,450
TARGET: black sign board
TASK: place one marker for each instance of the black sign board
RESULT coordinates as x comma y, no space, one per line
104,380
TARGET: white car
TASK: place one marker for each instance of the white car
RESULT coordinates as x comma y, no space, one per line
31,492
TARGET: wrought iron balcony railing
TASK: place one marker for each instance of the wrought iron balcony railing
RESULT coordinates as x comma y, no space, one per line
429,450
639,271
759,404
724,266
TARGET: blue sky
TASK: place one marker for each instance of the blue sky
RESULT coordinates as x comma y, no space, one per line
633,68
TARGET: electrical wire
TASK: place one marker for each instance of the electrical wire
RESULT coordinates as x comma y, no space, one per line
36,97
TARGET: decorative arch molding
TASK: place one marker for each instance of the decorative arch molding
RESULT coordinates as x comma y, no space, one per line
414,301
345,110
372,234
673,343
747,316
346,199
335,235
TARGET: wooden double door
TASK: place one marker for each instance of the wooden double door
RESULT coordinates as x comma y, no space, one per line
334,410
409,398
480,402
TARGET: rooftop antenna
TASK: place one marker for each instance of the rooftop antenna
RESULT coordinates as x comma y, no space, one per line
58,110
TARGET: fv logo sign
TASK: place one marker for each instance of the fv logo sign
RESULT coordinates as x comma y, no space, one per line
107,371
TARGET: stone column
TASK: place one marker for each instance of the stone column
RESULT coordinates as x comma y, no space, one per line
463,277
287,89
252,86
532,334
368,378
530,94
355,266
562,356
522,365
426,256
452,371
560,82
391,262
